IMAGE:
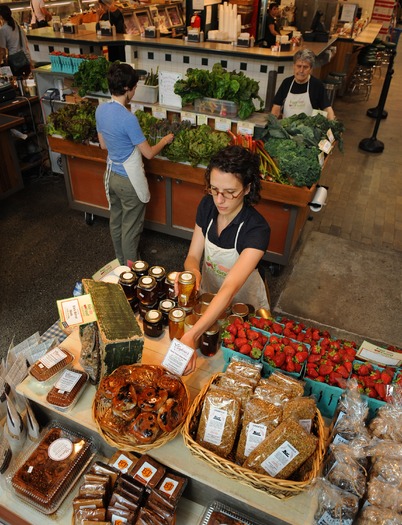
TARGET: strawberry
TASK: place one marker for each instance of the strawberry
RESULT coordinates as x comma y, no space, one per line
290,366
289,350
362,370
313,358
348,365
230,338
300,357
246,325
252,335
257,344
240,341
320,379
277,328
342,371
297,366
279,359
273,339
381,390
312,372
269,352
245,349
325,369
386,378
232,329
334,378
370,392
241,333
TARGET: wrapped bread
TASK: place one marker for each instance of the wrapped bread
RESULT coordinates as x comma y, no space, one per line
245,369
219,421
260,418
302,410
283,451
294,387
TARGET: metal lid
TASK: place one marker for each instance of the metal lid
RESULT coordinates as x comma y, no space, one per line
153,316
240,309
171,277
140,266
213,329
127,277
146,282
186,278
166,305
177,314
157,271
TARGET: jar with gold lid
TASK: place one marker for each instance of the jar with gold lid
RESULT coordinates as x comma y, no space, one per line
240,309
128,281
159,274
169,285
143,309
187,292
147,290
140,268
210,341
153,325
206,298
176,323
165,305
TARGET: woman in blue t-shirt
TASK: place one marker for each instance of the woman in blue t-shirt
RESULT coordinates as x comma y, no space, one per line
125,182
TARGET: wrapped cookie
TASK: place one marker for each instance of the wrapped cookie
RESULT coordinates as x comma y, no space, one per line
343,471
372,515
283,451
384,494
335,506
219,421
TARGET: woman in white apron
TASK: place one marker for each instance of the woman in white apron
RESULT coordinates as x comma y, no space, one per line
230,236
302,93
125,182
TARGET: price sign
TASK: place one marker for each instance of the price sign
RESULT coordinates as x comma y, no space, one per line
223,124
159,112
202,119
186,115
136,107
245,128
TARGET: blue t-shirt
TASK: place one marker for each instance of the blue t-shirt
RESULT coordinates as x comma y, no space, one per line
121,132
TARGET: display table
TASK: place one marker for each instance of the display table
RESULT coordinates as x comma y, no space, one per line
205,484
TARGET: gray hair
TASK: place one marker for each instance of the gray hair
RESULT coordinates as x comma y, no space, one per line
306,55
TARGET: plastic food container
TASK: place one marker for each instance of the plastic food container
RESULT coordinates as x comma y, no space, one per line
50,364
67,390
219,513
214,106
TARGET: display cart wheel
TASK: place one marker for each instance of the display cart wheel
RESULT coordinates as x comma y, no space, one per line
89,218
275,269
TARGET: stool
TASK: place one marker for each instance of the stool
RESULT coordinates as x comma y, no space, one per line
362,79
342,77
331,85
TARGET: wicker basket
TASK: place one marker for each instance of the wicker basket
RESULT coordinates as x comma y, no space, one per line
280,489
126,442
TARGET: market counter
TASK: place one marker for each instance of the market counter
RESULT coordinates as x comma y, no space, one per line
205,484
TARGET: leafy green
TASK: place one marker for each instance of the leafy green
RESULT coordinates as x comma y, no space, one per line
220,84
92,76
74,122
299,163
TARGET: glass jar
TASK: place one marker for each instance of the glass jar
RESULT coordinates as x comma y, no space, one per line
176,323
190,321
158,273
128,281
199,309
165,306
143,309
251,310
187,292
153,325
232,318
240,309
147,292
206,298
210,341
169,286
140,268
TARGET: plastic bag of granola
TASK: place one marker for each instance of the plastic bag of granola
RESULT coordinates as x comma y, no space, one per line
372,515
342,470
335,506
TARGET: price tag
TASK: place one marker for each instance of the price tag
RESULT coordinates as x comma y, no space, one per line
223,124
330,136
76,310
245,128
186,115
159,112
202,119
378,355
136,107
321,158
177,357
325,146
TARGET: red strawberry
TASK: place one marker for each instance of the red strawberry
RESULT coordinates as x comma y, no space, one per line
232,329
370,392
312,372
252,335
320,379
273,339
290,366
241,333
277,328
381,390
362,370
228,339
240,341
289,350
313,358
342,371
246,325
279,359
348,365
269,352
325,369
257,344
386,378
300,357
245,349
334,378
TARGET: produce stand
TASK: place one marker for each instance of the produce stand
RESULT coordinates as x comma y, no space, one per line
176,190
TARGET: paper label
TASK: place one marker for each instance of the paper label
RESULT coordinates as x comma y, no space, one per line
167,96
306,424
321,158
215,426
116,520
330,136
255,434
202,119
169,486
327,519
177,357
105,270
281,457
245,128
340,416
67,381
186,115
136,106
325,145
223,124
146,473
378,355
123,463
53,357
159,112
60,449
339,439
76,310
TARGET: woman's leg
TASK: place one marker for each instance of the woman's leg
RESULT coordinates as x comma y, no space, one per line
116,212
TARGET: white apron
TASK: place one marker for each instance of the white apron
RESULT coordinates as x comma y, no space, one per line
296,104
134,167
217,264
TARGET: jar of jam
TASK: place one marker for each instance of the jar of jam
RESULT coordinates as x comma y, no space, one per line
230,319
190,321
128,281
206,298
143,309
159,274
199,309
176,323
165,306
210,341
169,285
146,290
187,292
251,310
240,309
153,325
140,268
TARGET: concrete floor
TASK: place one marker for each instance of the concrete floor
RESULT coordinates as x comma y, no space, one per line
345,271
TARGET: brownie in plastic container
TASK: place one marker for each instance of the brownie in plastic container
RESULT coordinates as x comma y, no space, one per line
50,364
219,514
67,390
50,470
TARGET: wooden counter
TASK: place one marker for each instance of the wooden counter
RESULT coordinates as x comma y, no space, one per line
205,483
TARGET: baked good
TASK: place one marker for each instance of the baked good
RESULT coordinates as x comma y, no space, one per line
171,487
110,385
171,414
144,428
46,476
152,398
124,403
148,471
68,388
112,423
170,383
51,363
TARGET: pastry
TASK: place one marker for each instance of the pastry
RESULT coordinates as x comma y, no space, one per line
151,399
170,383
144,428
170,414
124,403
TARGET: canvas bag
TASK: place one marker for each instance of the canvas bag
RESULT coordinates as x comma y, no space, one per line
19,62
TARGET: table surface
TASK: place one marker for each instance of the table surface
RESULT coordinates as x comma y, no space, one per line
174,454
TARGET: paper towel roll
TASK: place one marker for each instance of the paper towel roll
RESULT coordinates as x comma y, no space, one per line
319,199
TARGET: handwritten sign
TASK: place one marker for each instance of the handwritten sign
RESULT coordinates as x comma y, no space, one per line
167,96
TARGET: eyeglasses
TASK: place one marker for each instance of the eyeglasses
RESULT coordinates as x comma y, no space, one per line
225,194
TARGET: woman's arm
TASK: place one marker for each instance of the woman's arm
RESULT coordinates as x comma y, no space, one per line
193,259
276,110
149,152
272,30
101,141
235,279
330,113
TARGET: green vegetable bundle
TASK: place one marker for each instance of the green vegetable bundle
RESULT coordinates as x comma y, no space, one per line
220,84
92,76
74,122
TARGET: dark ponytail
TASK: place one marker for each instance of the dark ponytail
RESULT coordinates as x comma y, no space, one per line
6,13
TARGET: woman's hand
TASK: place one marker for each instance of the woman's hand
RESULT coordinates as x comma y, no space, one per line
188,340
168,139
